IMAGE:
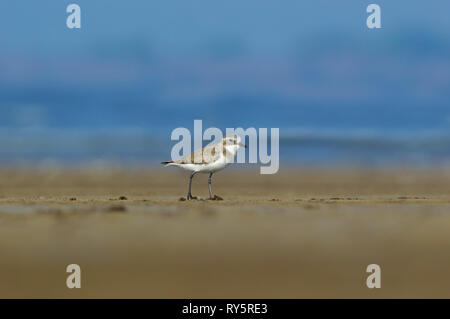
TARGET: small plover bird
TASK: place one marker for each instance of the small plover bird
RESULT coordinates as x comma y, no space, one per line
210,159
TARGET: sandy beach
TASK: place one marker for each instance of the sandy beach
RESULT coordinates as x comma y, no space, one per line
297,234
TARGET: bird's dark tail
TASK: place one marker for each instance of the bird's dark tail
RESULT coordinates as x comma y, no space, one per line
166,163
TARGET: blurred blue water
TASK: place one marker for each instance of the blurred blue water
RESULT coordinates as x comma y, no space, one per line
115,89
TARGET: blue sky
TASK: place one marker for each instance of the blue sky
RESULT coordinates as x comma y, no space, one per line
186,26
151,66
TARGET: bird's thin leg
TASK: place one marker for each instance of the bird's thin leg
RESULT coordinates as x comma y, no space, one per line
209,185
189,195
211,197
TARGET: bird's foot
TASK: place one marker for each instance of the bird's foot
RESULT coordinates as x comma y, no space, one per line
216,198
189,197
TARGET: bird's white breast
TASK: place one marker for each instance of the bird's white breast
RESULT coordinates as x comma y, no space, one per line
218,165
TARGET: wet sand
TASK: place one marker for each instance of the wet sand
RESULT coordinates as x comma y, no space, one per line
298,234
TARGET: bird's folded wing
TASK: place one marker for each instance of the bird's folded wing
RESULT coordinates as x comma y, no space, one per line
208,154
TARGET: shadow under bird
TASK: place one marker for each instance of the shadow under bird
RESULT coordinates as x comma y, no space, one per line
210,159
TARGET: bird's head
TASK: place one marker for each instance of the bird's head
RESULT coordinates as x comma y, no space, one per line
232,143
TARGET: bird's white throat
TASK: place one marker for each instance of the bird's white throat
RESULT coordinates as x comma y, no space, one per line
232,149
